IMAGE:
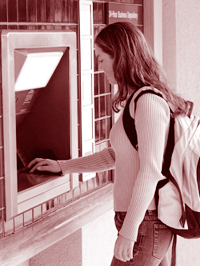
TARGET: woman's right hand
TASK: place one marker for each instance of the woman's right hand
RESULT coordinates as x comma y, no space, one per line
41,164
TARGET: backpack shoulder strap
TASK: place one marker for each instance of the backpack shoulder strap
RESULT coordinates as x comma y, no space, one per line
129,124
144,92
128,121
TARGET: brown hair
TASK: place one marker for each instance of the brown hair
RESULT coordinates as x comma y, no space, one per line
134,64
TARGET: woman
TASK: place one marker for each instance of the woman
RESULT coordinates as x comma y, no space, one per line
124,56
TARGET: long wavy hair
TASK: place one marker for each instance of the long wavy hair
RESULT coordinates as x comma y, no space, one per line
134,64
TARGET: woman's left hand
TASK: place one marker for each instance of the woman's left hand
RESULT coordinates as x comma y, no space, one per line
123,248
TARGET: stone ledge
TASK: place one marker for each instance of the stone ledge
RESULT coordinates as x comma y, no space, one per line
22,246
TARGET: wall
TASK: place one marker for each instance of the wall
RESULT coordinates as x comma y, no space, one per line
181,49
181,57
188,56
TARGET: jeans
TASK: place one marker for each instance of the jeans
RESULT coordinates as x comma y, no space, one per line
153,242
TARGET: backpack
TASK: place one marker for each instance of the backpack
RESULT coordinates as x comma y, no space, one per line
178,194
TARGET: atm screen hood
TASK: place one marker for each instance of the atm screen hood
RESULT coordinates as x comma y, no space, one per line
34,67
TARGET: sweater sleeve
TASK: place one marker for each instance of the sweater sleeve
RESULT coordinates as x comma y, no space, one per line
99,161
152,118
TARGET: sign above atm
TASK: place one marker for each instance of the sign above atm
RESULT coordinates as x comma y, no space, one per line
124,12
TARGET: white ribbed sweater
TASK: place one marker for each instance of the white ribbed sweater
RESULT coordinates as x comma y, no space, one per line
137,173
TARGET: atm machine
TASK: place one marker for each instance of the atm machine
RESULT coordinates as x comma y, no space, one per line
39,84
